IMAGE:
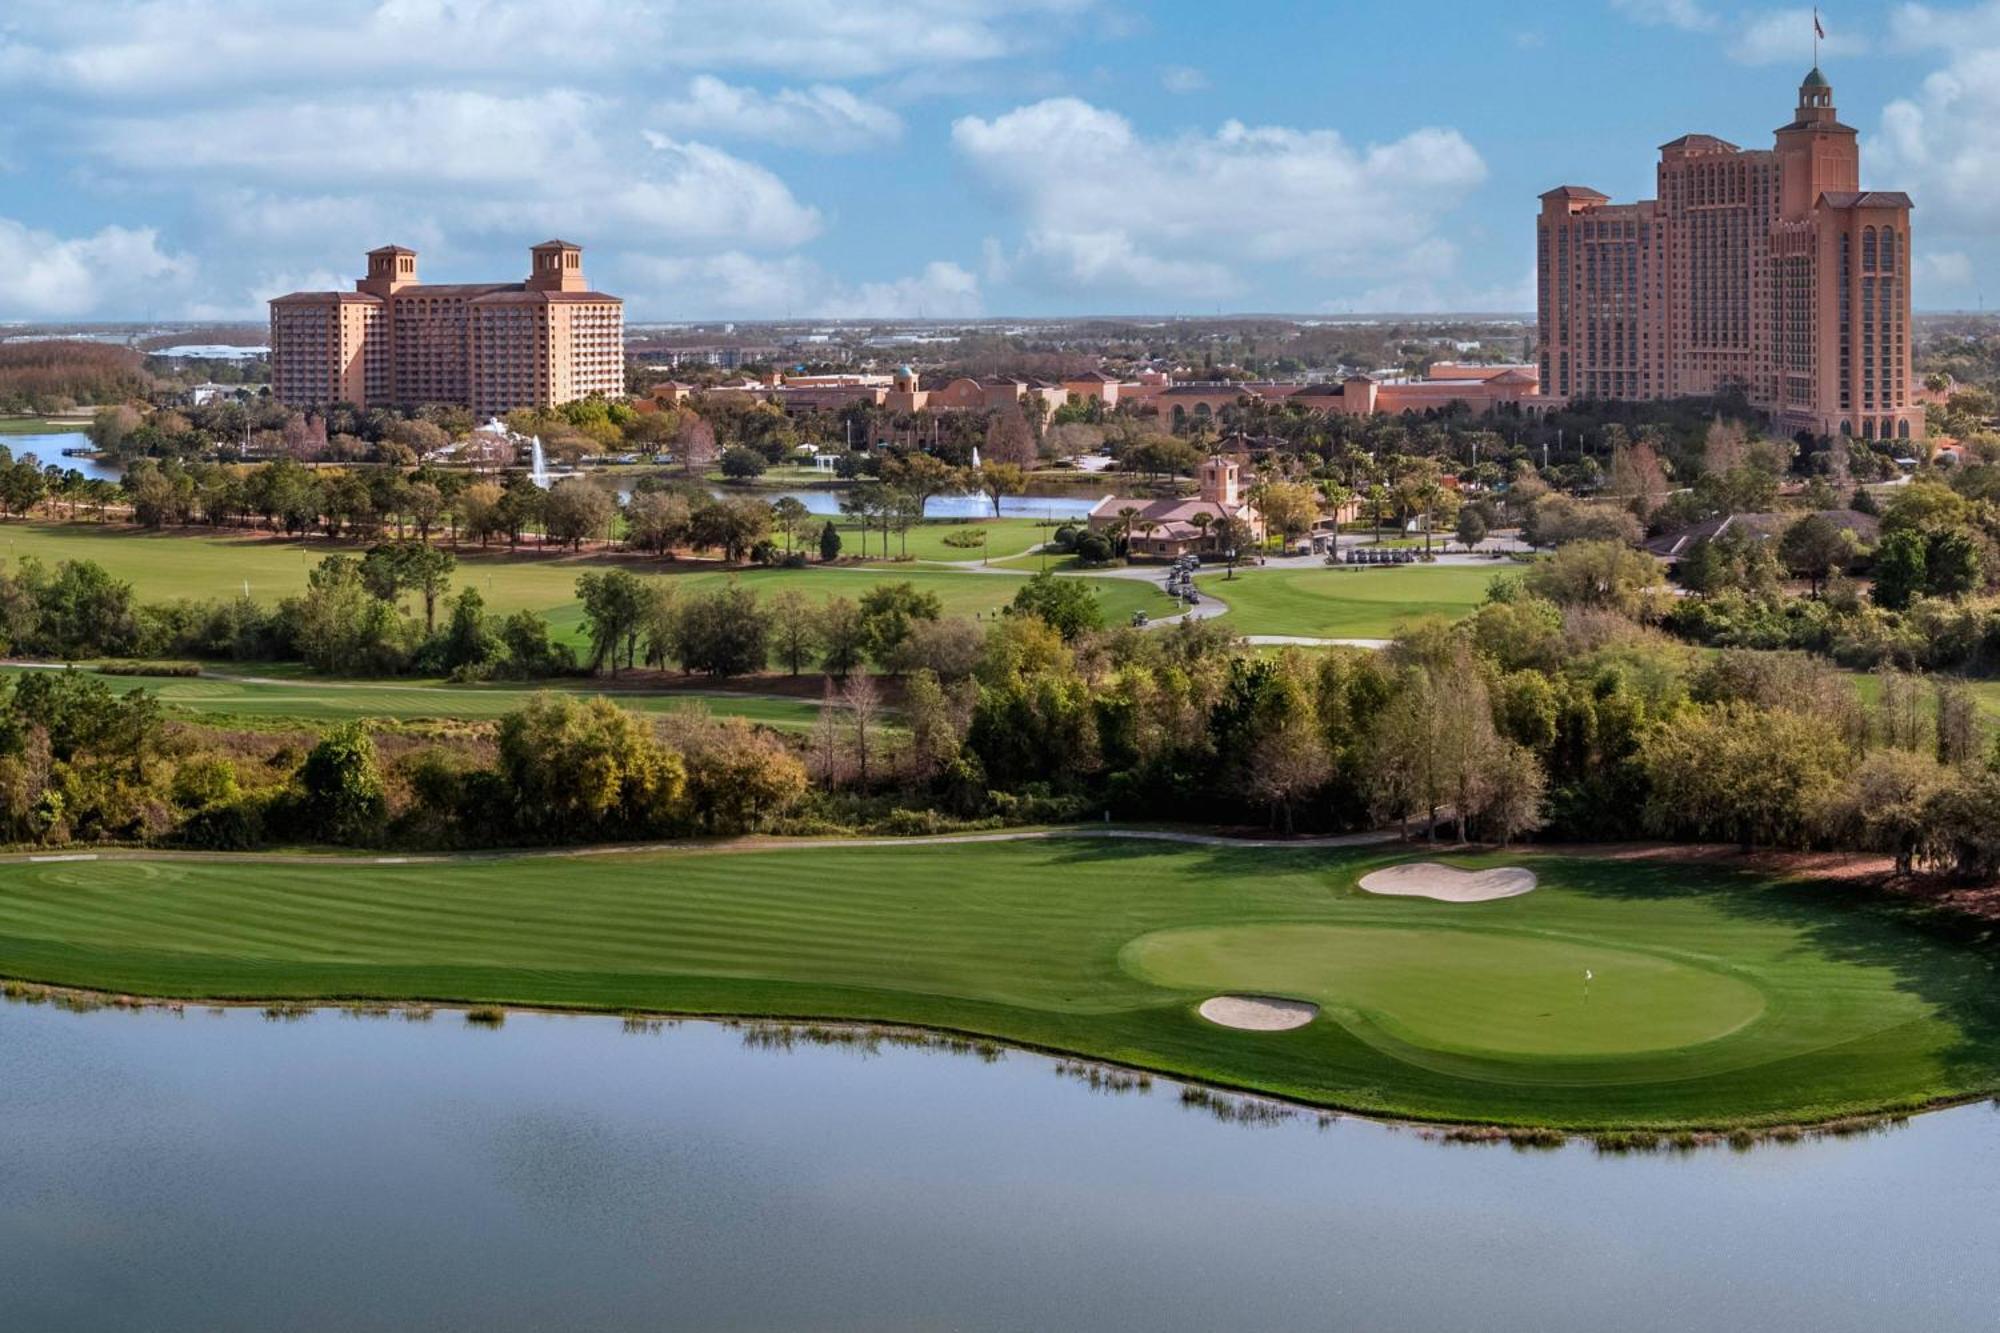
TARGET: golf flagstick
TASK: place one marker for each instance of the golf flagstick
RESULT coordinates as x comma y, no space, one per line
1586,985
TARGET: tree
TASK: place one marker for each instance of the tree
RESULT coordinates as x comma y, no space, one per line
575,769
740,464
1901,568
1069,606
829,543
794,629
1000,479
340,627
468,641
790,516
576,510
738,777
1815,547
1008,439
1289,508
722,633
935,737
888,613
922,477
694,443
1232,534
843,638
1759,776
613,603
341,795
657,521
862,701
734,526
1471,527
1595,574
394,568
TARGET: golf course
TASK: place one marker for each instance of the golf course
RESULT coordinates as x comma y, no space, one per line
283,693
1615,994
165,565
1344,603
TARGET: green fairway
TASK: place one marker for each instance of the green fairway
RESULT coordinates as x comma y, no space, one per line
1346,603
174,564
41,426
312,699
1716,998
1004,537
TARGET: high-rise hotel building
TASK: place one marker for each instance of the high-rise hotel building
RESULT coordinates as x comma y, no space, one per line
490,346
1772,272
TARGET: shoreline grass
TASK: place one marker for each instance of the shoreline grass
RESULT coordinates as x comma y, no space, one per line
1030,943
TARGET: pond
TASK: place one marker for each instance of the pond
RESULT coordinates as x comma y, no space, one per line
221,1170
1053,507
49,449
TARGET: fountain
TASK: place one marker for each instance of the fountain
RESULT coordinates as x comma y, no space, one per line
975,455
538,464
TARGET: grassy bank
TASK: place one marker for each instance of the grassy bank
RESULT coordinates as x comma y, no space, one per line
305,698
172,564
1347,603
1717,999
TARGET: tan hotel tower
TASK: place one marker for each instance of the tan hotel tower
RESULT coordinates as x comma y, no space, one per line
1770,271
394,341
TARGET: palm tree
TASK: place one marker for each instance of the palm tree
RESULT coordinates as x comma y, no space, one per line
1125,518
1147,527
1336,497
1201,520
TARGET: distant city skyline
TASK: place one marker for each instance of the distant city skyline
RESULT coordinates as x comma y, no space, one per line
188,159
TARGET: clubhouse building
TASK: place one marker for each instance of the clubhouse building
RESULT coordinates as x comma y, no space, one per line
1164,529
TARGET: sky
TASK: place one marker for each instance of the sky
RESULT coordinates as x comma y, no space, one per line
748,159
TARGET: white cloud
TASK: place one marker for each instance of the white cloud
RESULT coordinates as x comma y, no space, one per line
146,47
824,116
551,161
1183,79
115,270
748,286
1785,37
1687,15
1105,208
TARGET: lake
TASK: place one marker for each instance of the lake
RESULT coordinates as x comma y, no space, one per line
49,449
227,1171
1052,507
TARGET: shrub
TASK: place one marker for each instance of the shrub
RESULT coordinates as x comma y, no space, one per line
149,669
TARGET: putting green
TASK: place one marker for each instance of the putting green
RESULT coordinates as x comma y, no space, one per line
1720,997
1470,992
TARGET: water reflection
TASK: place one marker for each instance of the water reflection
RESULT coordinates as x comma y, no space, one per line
182,1171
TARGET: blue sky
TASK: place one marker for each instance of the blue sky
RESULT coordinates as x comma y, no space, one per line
759,158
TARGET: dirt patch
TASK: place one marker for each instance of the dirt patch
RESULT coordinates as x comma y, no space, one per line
1257,1013
1428,879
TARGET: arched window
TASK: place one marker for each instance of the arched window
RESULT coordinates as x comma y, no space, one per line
1847,428
1888,250
1903,429
1868,250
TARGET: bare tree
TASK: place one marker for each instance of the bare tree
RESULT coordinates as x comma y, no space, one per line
863,703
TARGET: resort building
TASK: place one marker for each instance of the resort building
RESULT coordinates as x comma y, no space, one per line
1769,271
1479,389
1164,529
395,341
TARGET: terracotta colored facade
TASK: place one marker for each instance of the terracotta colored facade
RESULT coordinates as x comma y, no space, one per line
1479,388
1769,271
493,347
1163,529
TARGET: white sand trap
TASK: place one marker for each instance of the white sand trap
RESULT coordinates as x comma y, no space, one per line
1256,1013
1428,879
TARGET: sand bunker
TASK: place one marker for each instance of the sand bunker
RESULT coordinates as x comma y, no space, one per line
1256,1013
1428,879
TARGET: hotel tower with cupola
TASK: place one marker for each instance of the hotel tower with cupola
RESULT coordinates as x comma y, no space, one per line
493,347
1769,271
